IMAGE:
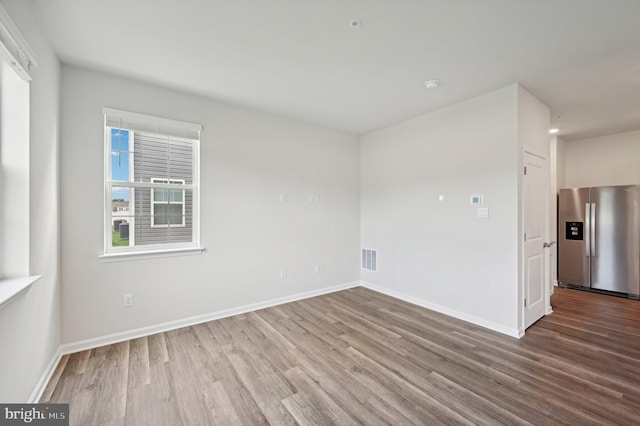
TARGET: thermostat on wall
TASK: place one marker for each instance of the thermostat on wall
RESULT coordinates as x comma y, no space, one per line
476,200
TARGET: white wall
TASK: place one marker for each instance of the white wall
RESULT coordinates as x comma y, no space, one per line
553,204
556,177
561,155
602,161
533,124
442,254
247,159
30,325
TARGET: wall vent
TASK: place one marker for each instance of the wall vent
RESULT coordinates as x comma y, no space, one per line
369,259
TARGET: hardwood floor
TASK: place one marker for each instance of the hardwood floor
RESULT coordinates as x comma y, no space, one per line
360,357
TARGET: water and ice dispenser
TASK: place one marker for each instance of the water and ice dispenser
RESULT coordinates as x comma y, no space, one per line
574,230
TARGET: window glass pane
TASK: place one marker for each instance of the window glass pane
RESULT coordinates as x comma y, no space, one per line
162,223
120,155
176,195
167,214
160,195
175,214
121,216
160,214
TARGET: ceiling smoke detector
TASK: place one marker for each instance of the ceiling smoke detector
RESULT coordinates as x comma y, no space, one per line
432,84
355,23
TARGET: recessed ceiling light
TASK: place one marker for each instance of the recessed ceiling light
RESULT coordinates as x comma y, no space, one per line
553,131
432,84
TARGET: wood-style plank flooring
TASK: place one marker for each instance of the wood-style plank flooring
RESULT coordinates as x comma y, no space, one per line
360,357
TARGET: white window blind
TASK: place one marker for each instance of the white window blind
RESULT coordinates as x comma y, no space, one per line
150,124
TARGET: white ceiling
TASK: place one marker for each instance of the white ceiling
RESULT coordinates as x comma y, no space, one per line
302,59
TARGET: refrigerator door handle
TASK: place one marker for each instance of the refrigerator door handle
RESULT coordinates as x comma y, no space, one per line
587,234
592,230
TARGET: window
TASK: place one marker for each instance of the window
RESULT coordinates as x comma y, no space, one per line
16,62
167,205
14,173
151,184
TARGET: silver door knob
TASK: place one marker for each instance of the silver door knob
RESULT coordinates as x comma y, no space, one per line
547,245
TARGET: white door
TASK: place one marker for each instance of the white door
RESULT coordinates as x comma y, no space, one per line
535,227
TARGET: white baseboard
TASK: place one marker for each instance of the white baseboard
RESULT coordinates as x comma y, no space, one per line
46,376
82,345
513,332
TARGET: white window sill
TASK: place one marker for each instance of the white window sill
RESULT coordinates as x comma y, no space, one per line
151,254
11,288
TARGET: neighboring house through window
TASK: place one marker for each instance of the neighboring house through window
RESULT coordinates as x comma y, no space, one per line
167,205
151,183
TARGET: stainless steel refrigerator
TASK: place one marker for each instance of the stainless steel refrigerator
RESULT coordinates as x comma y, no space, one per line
599,239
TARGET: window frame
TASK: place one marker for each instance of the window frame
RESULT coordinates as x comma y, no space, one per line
111,253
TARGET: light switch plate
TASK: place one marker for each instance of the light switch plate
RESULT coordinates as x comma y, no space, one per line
482,212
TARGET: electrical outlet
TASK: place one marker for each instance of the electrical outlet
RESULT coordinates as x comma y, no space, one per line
283,274
127,300
283,197
316,269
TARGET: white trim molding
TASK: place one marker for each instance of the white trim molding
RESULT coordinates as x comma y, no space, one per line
11,288
149,254
82,345
513,332
46,376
